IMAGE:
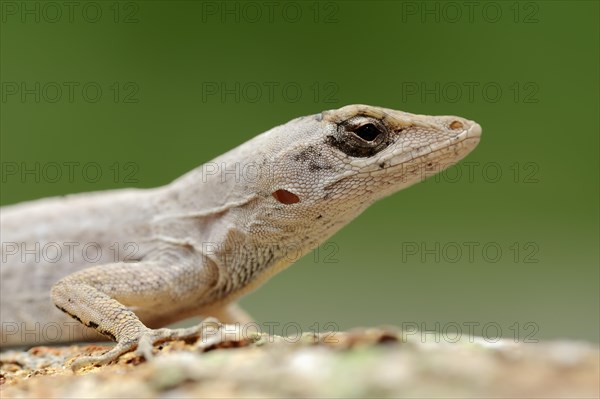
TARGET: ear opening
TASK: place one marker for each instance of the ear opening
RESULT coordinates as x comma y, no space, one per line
285,197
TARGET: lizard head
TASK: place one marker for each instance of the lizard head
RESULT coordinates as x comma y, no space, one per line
327,168
345,159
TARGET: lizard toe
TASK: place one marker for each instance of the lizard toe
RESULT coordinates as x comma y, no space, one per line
107,357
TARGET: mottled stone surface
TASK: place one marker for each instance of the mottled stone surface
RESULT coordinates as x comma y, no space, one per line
373,362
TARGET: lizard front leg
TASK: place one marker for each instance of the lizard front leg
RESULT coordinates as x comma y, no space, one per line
101,297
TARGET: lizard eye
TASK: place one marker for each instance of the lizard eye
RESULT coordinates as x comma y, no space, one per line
357,137
367,132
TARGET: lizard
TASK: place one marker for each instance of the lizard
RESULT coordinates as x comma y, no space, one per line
212,235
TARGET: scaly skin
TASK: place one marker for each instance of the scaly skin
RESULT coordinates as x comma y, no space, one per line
214,234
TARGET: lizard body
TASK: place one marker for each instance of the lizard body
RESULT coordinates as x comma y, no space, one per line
215,233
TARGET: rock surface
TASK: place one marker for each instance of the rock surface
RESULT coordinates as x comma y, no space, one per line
359,363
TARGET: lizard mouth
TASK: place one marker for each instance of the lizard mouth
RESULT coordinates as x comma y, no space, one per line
474,130
450,150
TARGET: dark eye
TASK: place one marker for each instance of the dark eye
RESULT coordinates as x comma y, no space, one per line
367,132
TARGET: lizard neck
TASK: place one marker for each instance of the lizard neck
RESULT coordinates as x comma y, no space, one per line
234,232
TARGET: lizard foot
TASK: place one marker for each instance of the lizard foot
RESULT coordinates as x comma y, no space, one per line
105,358
205,332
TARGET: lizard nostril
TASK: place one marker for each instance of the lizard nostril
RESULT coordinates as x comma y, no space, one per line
456,125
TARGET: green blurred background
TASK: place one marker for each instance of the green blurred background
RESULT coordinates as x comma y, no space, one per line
159,87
